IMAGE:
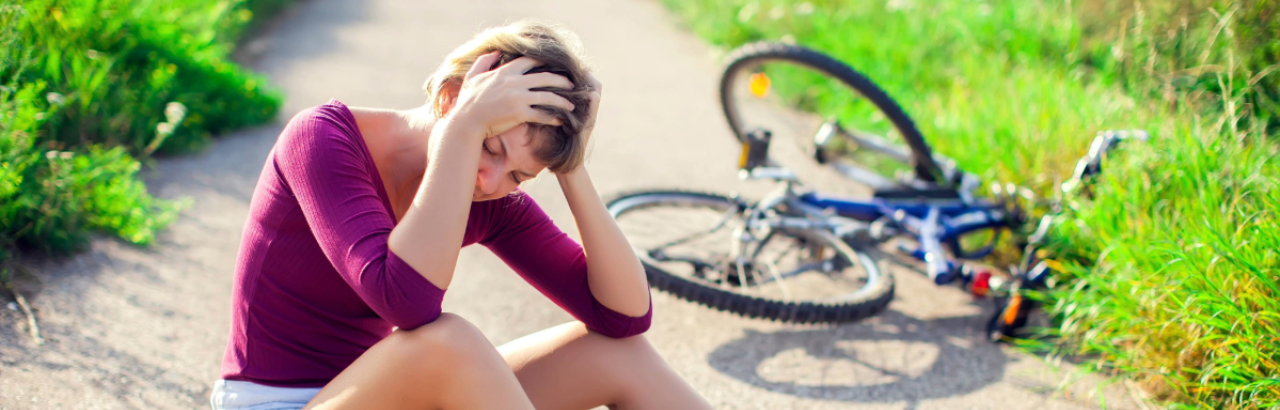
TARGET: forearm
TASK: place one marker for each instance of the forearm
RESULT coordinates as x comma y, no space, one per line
614,273
429,237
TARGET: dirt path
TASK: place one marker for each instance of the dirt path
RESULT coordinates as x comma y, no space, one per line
145,328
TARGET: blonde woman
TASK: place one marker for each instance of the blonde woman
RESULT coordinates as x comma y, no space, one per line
355,229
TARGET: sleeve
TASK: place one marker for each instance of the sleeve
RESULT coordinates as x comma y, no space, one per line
328,173
524,237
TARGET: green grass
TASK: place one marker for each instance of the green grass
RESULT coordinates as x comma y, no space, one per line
1170,275
91,89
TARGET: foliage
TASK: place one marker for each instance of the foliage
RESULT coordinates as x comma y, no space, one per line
1170,275
118,63
89,86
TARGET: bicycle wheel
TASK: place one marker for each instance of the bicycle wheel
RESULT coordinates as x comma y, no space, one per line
685,239
800,95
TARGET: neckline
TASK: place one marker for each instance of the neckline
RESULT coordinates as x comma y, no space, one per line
368,157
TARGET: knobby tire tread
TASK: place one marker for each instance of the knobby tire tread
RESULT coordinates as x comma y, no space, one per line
754,307
925,167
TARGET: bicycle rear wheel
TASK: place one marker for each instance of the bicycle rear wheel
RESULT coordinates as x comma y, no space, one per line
800,95
685,241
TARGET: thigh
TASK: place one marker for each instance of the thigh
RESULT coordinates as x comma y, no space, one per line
568,367
563,368
445,364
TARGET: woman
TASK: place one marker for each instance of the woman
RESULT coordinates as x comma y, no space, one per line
355,229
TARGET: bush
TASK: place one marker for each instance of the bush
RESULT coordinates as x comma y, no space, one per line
119,63
87,86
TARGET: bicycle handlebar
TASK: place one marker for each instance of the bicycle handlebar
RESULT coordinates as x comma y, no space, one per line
1091,164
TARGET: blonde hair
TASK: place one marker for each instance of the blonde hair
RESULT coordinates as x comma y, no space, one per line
560,148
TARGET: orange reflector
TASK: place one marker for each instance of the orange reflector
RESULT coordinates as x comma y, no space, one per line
759,84
746,150
1011,311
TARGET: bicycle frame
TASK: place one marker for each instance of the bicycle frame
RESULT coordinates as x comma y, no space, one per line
934,223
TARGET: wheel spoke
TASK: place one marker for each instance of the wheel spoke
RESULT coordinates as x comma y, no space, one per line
714,253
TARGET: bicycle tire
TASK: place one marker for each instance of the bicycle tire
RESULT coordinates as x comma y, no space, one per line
923,163
864,305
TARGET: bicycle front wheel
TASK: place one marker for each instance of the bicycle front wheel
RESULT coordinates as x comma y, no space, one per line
696,247
800,95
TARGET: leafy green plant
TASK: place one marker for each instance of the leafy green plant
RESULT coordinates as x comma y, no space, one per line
89,86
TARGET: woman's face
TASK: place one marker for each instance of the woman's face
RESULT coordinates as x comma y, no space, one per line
505,161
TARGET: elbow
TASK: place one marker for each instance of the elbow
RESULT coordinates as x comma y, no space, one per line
623,326
622,333
415,318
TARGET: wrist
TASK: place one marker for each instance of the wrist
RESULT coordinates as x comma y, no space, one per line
575,177
457,127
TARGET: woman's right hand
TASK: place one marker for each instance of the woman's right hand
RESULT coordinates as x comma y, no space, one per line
498,100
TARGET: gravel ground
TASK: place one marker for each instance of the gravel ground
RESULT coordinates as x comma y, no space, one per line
129,327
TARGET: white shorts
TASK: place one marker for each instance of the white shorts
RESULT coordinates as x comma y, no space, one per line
242,395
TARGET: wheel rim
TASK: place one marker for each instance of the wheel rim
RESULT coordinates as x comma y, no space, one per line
797,101
690,236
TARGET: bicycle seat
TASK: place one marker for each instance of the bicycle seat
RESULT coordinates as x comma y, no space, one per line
903,192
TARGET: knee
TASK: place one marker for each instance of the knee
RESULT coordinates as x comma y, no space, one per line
448,338
636,350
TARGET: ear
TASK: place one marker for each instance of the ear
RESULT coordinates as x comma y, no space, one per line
448,97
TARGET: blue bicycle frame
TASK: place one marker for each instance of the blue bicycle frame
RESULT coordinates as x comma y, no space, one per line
934,223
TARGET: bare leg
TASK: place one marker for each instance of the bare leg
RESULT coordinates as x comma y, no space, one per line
446,364
568,367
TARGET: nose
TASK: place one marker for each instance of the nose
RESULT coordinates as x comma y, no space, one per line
487,182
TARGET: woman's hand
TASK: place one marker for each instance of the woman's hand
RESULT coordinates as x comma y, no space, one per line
500,99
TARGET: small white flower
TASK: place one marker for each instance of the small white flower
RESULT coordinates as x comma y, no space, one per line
92,54
777,12
804,9
174,112
748,12
66,154
164,128
55,98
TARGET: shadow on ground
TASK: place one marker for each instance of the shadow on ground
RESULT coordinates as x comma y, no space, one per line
892,358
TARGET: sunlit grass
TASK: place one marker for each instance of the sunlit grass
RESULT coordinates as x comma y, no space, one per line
1170,274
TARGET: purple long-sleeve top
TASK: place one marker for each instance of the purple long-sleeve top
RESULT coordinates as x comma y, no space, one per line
316,285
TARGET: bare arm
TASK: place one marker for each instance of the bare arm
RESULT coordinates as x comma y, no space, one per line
614,273
429,237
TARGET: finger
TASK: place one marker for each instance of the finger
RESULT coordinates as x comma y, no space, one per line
546,80
483,63
551,99
542,117
521,65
